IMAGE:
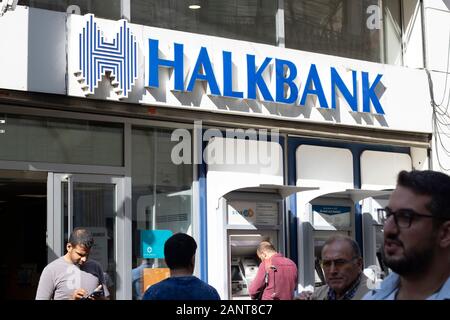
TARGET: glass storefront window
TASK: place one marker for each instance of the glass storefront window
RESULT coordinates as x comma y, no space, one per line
161,195
249,20
25,138
350,28
102,9
93,209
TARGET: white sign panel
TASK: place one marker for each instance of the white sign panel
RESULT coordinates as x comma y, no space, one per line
253,213
122,61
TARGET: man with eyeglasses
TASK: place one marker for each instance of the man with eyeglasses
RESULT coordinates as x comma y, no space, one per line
342,267
417,238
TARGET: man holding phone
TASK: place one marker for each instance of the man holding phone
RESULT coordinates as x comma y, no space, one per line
73,276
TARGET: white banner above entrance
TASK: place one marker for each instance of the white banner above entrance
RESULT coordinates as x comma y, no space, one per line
116,60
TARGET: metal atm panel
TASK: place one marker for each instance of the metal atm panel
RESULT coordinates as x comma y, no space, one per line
251,218
244,262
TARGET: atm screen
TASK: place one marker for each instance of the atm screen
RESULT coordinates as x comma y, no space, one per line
236,274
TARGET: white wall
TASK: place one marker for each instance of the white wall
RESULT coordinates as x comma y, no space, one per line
33,53
412,34
419,158
437,39
379,169
14,49
330,169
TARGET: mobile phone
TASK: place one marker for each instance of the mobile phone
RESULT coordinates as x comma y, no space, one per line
98,292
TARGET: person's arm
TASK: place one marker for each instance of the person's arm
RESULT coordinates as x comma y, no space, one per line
258,283
46,286
102,280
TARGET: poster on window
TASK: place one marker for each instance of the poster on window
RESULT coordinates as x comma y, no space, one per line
99,251
152,243
331,216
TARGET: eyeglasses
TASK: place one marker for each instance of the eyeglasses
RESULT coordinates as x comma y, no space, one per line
402,217
326,264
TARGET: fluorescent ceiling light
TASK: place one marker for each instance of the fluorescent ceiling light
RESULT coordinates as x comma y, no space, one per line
194,6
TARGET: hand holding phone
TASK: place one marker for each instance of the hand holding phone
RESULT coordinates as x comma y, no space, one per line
98,292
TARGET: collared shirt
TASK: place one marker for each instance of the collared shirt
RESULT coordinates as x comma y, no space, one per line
389,289
282,279
331,295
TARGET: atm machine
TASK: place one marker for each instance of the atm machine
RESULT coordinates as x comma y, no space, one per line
253,215
373,237
332,214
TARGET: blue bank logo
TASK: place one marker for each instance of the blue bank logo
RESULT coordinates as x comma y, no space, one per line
116,59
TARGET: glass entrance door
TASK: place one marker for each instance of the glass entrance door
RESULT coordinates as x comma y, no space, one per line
94,202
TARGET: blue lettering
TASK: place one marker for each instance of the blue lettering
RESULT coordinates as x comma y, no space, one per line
314,86
228,77
369,93
204,63
286,91
155,62
336,81
281,81
254,78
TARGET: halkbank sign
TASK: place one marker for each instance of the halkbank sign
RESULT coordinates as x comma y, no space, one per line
284,72
117,60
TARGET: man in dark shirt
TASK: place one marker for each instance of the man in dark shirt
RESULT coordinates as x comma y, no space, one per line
179,253
276,278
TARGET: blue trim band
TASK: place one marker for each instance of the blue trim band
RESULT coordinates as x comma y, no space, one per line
203,252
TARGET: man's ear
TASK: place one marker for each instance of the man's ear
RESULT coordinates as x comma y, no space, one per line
444,235
68,247
359,261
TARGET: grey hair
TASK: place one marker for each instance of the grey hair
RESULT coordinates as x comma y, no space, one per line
356,252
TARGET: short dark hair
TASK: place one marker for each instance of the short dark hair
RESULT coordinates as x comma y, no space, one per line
81,237
179,250
431,183
356,252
